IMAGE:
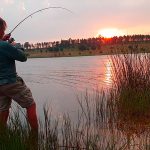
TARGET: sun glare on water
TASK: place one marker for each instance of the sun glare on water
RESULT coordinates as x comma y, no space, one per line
110,32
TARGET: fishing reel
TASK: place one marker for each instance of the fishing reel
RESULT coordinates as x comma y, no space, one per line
11,40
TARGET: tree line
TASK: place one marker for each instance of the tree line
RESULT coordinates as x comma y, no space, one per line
85,44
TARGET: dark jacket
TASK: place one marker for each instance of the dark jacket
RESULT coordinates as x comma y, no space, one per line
8,55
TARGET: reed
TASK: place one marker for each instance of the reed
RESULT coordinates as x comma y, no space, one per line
131,76
131,95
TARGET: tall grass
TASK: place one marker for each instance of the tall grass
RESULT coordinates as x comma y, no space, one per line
131,74
131,92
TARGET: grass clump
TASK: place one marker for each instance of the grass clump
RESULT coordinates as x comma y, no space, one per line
132,81
131,76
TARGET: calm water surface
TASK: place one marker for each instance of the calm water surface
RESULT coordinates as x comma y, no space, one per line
58,81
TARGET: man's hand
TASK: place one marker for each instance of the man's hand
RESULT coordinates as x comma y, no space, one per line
13,43
6,37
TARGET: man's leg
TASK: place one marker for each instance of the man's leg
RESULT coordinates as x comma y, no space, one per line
32,117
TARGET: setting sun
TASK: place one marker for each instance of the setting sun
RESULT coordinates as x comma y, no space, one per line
110,32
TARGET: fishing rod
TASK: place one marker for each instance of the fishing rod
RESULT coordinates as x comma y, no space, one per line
40,10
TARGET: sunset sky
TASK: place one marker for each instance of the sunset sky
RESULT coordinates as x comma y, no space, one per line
89,18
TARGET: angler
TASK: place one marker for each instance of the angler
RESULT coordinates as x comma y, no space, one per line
12,86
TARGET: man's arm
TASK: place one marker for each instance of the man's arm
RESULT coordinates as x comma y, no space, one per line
14,53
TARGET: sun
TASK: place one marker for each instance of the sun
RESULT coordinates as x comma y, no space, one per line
110,32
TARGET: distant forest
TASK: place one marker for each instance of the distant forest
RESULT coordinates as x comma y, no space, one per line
85,44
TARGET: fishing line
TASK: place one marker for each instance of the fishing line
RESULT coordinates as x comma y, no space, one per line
38,12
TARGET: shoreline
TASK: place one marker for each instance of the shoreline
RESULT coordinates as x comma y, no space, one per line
104,50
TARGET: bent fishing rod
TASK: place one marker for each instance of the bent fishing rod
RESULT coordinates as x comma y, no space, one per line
40,10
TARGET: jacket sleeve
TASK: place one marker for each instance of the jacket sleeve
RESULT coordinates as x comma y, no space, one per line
14,53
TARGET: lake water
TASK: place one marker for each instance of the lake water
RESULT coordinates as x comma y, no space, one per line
58,81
